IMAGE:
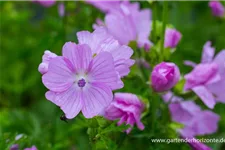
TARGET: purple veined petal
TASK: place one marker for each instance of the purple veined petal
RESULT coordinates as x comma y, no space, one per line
100,40
205,96
122,119
122,60
200,75
220,61
179,114
79,55
112,112
95,99
190,63
143,25
208,53
102,70
131,122
187,132
215,79
137,118
59,76
205,122
121,27
218,89
128,99
69,101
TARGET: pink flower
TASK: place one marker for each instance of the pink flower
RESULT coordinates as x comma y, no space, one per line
126,107
217,8
32,148
126,22
172,38
196,121
164,76
45,3
105,6
100,40
43,67
80,81
207,79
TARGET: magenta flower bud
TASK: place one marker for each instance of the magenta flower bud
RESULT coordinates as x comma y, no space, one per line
172,38
126,107
164,76
217,8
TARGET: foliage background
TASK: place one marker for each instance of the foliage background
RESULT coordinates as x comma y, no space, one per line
27,29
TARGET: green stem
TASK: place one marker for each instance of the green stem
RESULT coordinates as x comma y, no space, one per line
165,11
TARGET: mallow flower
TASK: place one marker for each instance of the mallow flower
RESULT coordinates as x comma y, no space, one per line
45,3
196,121
172,38
80,81
217,8
164,76
100,40
207,79
127,108
126,22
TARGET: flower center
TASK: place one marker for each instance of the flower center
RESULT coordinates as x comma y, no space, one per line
81,83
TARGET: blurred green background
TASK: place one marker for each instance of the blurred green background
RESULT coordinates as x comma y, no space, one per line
27,29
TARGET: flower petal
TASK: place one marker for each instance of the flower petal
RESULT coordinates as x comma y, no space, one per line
205,122
100,40
190,63
122,60
205,96
79,55
59,77
220,60
121,27
102,71
208,53
95,99
69,101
